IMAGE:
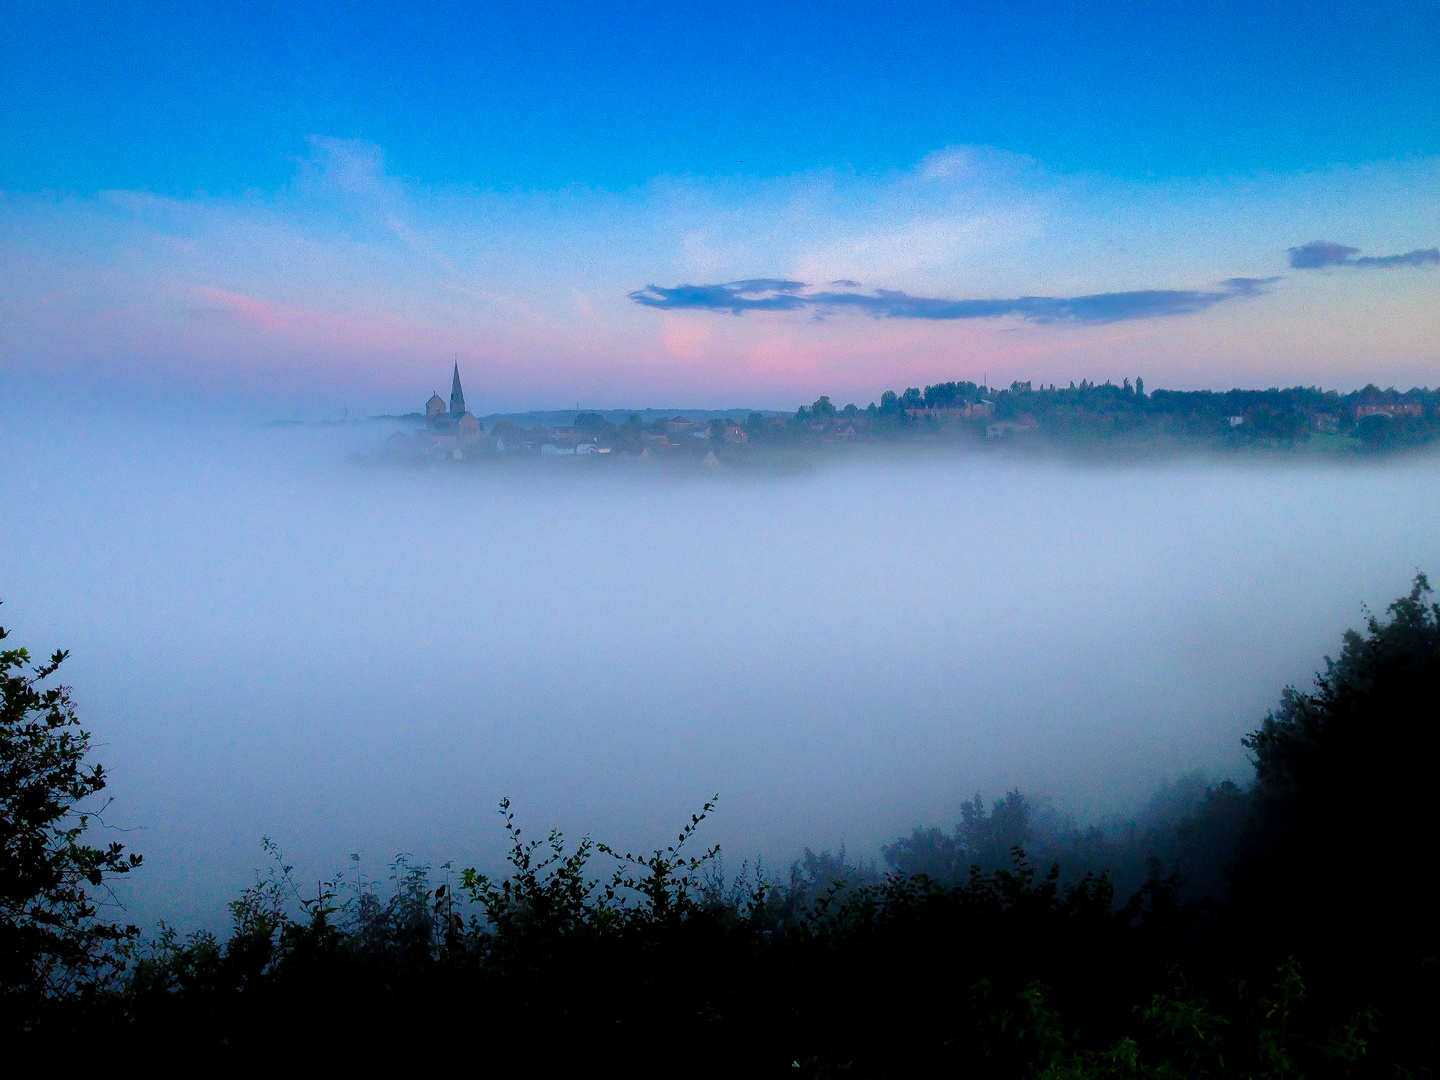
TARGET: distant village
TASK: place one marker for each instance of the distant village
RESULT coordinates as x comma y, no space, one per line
1087,414
451,432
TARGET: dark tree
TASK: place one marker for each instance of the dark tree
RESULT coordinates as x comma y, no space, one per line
987,841
52,942
822,409
1344,776
591,423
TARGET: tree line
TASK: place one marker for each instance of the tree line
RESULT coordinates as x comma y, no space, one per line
1368,419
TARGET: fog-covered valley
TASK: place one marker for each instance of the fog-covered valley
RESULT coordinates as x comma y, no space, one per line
268,638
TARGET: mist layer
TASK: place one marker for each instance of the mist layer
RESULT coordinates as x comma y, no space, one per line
268,639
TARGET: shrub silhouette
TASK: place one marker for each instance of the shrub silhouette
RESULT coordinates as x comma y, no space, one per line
54,946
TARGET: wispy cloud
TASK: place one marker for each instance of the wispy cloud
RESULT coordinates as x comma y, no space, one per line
765,294
1321,253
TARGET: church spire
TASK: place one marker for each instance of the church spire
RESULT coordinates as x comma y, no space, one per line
457,396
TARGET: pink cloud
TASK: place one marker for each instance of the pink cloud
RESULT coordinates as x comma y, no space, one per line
300,323
685,339
272,317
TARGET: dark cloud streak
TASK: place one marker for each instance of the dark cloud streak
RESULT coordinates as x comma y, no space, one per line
1418,257
1322,253
755,294
762,294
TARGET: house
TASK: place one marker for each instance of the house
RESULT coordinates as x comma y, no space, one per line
710,461
679,425
1325,423
1002,429
442,446
1391,409
941,412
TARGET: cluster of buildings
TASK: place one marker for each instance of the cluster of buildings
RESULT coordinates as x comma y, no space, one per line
961,410
974,410
453,432
677,432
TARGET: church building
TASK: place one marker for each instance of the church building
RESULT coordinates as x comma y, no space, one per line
456,420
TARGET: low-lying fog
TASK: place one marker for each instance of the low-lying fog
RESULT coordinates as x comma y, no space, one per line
268,640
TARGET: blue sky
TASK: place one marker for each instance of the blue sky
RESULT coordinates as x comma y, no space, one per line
218,97
594,151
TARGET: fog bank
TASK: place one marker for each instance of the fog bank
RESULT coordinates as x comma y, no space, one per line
267,639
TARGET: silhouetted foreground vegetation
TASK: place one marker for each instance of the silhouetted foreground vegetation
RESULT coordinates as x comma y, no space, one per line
1284,929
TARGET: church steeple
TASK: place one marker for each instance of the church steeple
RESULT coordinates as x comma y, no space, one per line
457,396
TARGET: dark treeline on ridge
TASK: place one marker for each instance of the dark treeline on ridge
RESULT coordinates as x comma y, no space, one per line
1368,419
1280,927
